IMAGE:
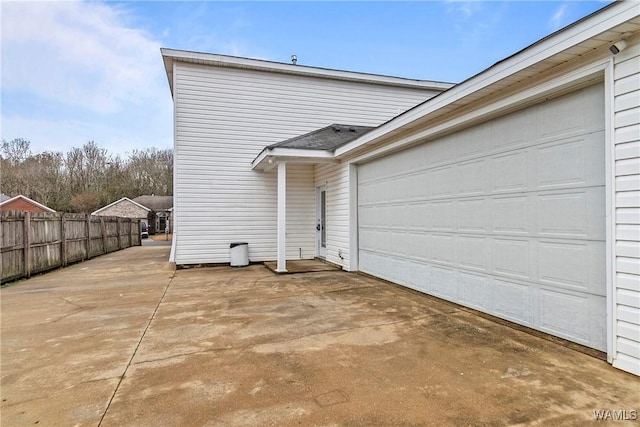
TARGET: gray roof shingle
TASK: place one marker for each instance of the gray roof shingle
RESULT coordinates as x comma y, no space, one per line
155,203
328,138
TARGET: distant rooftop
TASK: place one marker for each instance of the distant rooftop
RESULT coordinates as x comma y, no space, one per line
155,203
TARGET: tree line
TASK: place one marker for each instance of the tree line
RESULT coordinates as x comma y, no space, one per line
83,179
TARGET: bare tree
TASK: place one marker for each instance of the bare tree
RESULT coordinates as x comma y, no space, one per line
85,167
84,178
85,202
151,171
45,175
16,151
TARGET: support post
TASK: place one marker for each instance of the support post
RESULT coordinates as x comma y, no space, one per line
282,218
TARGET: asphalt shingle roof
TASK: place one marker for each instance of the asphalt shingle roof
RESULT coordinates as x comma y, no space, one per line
155,203
328,138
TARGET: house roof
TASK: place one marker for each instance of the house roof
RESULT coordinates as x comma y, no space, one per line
124,199
170,56
591,35
4,197
327,138
314,146
155,203
26,199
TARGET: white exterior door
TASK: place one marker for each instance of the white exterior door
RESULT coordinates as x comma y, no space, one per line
321,222
507,217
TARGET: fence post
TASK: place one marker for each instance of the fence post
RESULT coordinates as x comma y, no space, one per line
130,233
63,240
103,232
27,244
119,234
88,231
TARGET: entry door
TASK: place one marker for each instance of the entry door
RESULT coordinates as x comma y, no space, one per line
321,222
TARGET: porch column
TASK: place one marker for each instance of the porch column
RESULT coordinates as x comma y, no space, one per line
282,217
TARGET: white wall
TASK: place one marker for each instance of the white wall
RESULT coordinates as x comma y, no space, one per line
335,178
224,117
626,123
301,208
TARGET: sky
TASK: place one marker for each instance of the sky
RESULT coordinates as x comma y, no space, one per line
78,71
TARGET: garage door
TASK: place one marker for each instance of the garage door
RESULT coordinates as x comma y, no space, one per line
507,217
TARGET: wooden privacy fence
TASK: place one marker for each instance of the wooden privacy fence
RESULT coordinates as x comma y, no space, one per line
37,242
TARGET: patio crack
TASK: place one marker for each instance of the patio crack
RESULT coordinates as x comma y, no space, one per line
135,351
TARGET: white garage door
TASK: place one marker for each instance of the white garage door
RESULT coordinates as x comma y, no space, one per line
507,217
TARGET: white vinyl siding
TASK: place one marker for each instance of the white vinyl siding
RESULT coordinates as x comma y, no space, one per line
507,217
300,212
224,117
626,125
335,178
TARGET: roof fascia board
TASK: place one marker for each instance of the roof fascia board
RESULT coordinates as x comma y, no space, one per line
262,65
300,155
616,14
258,160
28,200
301,152
522,98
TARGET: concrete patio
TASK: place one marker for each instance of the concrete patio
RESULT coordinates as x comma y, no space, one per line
123,339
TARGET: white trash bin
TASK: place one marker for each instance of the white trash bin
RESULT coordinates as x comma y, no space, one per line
239,253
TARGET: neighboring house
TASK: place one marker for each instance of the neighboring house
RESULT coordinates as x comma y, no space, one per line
160,212
22,203
124,208
516,193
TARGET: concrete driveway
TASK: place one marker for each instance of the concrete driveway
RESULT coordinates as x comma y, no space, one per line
124,340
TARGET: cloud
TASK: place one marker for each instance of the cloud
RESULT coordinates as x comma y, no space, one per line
77,71
78,53
475,22
463,9
119,137
558,19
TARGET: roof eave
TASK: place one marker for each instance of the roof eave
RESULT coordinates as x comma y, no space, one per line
28,200
171,55
269,157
